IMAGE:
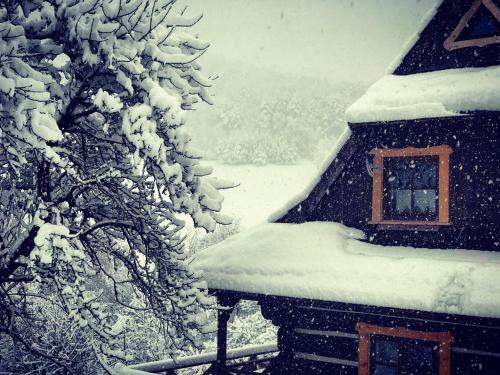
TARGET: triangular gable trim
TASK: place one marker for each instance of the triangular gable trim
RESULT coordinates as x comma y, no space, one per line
451,43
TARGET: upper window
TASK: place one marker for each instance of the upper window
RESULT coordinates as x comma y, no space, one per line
411,188
411,185
393,351
479,27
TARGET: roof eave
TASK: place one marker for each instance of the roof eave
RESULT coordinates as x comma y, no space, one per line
461,116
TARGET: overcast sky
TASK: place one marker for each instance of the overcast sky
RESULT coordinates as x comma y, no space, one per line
331,39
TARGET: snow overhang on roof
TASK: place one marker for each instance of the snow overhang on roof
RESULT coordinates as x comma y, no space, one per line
327,261
441,93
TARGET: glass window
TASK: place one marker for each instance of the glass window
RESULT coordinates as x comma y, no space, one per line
399,356
385,355
411,188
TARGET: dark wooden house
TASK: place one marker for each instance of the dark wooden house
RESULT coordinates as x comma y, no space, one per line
418,173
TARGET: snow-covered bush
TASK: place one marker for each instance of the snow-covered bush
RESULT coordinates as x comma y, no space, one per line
95,167
67,347
248,327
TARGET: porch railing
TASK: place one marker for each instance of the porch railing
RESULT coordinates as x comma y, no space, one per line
248,354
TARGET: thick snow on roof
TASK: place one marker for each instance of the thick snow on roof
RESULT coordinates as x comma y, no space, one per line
440,93
262,189
327,261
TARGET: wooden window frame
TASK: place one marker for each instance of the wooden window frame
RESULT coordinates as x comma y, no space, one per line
451,43
442,151
444,340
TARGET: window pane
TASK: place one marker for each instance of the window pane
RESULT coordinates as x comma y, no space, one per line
411,188
422,358
402,201
425,176
385,351
425,201
399,174
395,355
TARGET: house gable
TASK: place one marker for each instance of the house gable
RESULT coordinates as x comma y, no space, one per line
462,34
427,54
473,179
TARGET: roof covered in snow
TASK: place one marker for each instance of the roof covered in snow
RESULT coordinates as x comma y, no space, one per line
440,93
328,261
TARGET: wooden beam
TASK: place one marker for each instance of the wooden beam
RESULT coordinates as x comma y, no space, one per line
360,309
451,43
444,188
225,308
412,151
377,190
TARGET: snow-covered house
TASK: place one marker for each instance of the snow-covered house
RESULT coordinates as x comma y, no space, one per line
367,272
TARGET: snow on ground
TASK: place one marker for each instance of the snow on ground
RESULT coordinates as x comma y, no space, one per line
262,189
435,94
327,261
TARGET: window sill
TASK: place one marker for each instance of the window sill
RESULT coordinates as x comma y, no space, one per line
409,225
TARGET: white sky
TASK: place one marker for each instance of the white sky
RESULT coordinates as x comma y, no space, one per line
331,39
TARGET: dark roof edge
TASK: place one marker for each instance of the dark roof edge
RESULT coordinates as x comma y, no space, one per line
463,116
414,38
300,212
459,319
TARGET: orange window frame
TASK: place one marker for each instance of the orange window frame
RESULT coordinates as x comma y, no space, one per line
451,43
442,151
443,339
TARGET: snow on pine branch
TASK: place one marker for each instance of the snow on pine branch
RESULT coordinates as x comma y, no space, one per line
93,96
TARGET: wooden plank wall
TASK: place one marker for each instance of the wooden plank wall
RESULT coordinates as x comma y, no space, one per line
322,340
474,178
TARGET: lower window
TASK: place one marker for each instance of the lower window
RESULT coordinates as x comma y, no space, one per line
398,351
394,355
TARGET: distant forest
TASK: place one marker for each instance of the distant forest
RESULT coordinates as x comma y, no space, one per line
282,121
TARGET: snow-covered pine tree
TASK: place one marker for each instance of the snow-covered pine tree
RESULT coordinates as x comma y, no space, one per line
95,168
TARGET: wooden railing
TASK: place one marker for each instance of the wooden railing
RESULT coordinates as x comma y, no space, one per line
244,360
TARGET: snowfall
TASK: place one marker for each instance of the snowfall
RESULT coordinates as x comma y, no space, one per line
443,93
264,189
331,262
